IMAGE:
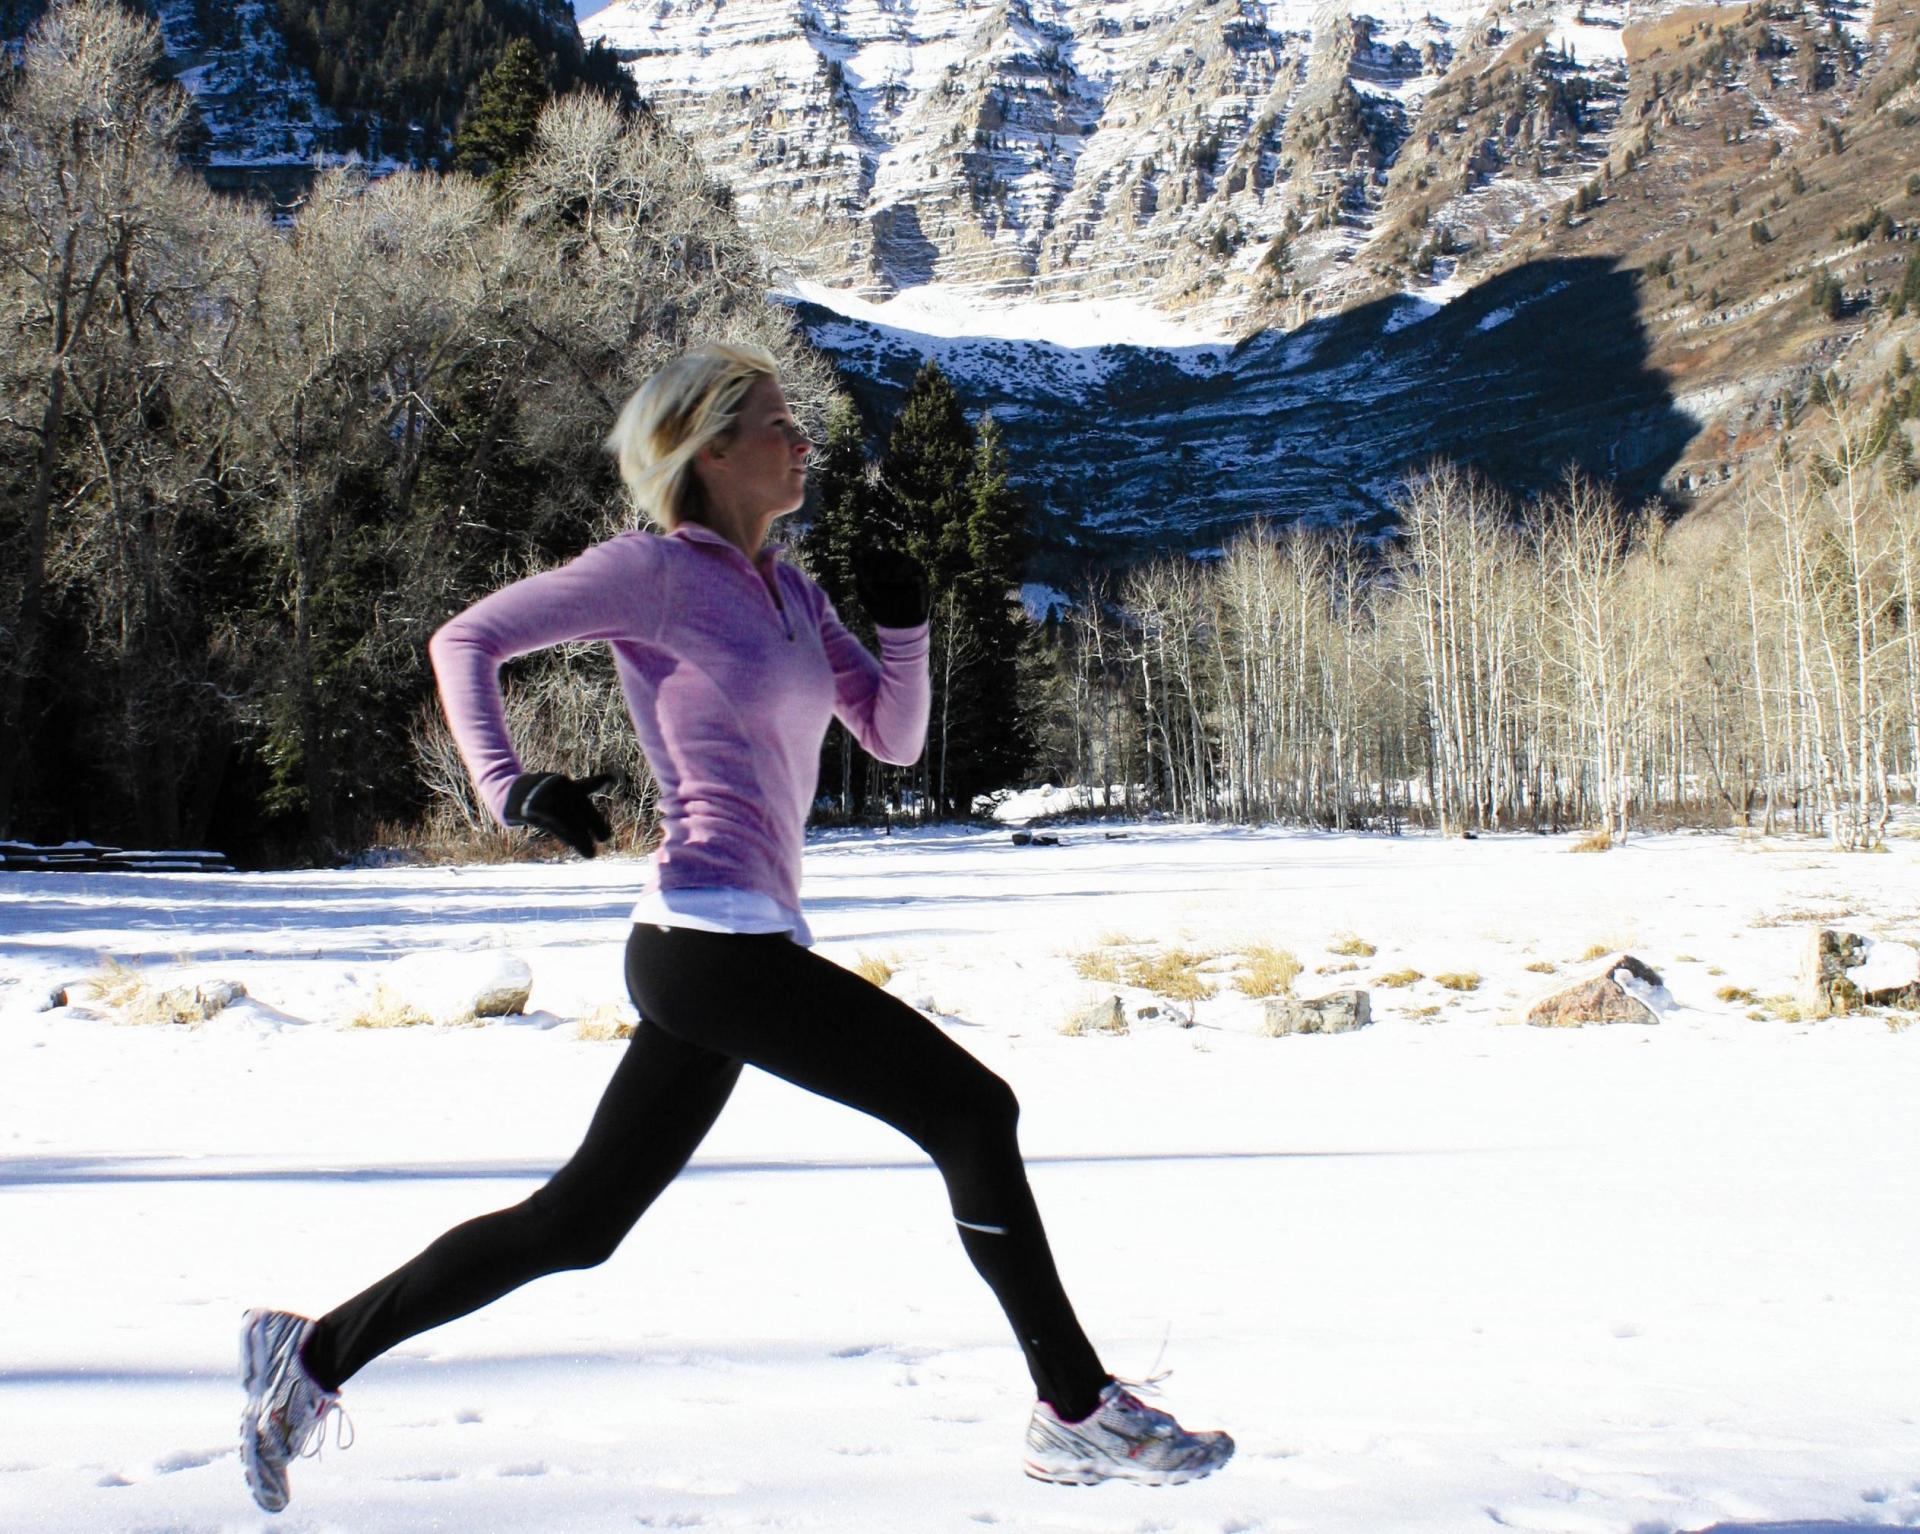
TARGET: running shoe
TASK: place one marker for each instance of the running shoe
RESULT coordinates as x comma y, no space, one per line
1123,1440
286,1411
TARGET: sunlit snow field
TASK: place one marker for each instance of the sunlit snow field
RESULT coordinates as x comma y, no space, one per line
1445,1274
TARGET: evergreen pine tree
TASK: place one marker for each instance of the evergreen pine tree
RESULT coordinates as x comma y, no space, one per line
837,476
497,129
988,741
929,454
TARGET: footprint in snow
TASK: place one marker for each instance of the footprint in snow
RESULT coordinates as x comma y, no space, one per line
532,1467
111,1480
188,1459
428,1475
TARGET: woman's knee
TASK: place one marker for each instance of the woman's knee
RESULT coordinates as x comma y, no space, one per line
981,1119
568,1237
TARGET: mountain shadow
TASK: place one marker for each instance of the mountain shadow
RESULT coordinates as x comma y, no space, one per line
1127,450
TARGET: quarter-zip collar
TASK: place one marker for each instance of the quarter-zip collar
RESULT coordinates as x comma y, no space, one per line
765,565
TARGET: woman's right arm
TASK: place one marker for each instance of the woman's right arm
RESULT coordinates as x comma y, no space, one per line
610,592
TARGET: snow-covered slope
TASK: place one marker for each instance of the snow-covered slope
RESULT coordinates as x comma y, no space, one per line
262,113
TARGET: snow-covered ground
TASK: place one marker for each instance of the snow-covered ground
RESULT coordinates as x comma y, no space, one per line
1444,1274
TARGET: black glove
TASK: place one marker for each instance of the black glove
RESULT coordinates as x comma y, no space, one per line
554,803
893,589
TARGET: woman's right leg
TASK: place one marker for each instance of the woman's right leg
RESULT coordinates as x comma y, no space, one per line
660,1104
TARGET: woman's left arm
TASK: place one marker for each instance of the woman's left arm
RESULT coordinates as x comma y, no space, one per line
883,702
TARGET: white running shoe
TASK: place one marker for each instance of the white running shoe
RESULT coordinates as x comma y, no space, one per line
1123,1440
286,1411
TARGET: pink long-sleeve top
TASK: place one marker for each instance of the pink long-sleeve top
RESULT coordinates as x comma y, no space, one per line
731,668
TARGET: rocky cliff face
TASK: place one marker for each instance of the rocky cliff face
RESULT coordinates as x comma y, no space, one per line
1527,234
1222,153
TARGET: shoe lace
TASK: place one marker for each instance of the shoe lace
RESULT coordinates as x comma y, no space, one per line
1155,1376
343,1433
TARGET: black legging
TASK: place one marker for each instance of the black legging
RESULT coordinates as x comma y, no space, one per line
711,1002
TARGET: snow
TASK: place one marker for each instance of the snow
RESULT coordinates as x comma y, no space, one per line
1887,966
950,311
1439,1275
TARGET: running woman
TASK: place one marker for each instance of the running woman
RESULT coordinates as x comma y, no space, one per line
731,662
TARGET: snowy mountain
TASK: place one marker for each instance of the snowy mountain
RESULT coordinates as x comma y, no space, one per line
1491,231
1158,146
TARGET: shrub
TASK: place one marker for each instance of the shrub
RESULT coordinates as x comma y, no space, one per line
1395,978
1543,967
1736,993
1594,841
1465,980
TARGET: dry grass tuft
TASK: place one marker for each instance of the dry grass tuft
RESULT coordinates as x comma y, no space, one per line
1787,1009
1093,965
1594,841
118,986
1117,940
1425,1014
385,1009
604,1022
1269,972
1173,973
1596,951
1736,993
1353,946
1543,967
1395,978
873,969
134,999
1463,980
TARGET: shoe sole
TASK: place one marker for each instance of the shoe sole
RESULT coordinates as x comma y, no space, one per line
254,1363
1089,1474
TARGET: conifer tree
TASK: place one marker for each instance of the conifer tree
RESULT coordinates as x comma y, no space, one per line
837,474
929,454
498,128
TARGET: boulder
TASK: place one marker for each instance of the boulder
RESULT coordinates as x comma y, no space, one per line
1624,990
1108,1015
452,986
1338,1012
212,996
1845,971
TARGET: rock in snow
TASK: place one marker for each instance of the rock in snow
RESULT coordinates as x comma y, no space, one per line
1845,971
1626,990
1339,1012
452,985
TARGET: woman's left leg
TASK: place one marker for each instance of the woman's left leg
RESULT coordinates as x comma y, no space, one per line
766,1001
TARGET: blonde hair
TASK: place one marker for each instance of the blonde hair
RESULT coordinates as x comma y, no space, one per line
692,401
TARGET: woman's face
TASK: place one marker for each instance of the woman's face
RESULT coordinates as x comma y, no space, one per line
761,468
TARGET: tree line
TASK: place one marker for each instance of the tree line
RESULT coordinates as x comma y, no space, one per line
1568,663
